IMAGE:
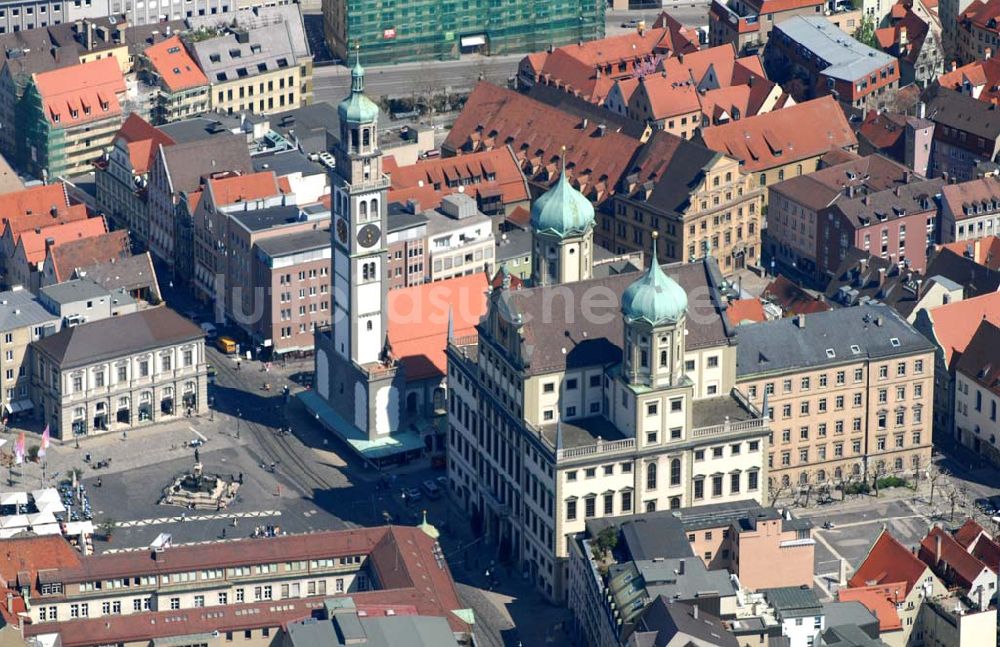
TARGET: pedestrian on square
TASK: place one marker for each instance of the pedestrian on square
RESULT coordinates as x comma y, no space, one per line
238,364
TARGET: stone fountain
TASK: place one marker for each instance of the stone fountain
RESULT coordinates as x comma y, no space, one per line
199,491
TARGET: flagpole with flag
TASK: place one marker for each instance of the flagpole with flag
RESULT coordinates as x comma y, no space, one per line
42,451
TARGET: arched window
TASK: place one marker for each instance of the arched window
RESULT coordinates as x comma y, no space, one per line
821,476
651,476
663,359
803,478
364,271
375,208
366,138
675,502
675,472
369,325
785,481
898,464
838,473
856,469
363,209
729,177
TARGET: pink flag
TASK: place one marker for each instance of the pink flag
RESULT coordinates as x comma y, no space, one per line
19,450
45,442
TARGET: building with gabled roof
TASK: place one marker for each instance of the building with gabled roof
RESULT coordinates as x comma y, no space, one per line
977,30
182,88
590,69
122,176
966,133
63,261
494,117
492,177
892,582
970,209
915,42
782,144
28,261
984,251
958,567
977,393
68,116
29,209
980,79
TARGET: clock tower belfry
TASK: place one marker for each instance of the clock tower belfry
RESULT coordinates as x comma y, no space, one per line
360,253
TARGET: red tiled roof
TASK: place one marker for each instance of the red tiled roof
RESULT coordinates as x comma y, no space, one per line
888,561
143,141
879,599
243,188
954,564
669,97
35,242
791,298
175,66
983,75
575,67
956,323
883,129
743,310
520,217
34,554
495,117
429,180
982,14
783,136
82,93
78,254
777,6
411,578
418,321
987,551
985,250
968,533
32,208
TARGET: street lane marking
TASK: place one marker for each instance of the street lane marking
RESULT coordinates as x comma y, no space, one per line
201,517
203,439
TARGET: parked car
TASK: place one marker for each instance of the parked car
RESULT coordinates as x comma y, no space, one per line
411,494
431,489
631,24
442,482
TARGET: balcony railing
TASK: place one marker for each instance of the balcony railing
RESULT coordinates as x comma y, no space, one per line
600,447
727,427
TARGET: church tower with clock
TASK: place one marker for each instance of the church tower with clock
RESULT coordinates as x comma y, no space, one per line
358,197
356,374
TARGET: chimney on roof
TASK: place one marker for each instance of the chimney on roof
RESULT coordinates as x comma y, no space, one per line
584,123
641,27
10,603
937,549
800,320
694,611
680,57
881,276
906,177
850,190
902,35
602,130
988,53
953,66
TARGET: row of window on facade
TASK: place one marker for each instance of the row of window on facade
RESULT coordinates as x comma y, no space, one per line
121,370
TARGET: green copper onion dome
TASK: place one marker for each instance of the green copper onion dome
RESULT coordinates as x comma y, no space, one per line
357,108
562,210
654,298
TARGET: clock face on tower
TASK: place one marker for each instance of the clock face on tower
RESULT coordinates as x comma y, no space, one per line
368,235
342,232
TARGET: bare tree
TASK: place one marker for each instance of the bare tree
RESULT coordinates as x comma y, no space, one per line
876,471
936,477
775,493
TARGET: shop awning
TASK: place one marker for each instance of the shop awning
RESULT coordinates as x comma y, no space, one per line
18,406
473,41
47,529
74,528
13,498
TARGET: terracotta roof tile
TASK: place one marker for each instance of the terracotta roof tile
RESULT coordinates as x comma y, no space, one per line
781,137
953,563
791,298
883,130
985,250
32,208
968,533
175,66
429,180
982,75
495,117
36,242
745,310
82,93
987,551
143,141
982,14
956,323
888,561
32,555
243,188
879,599
418,321
77,254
